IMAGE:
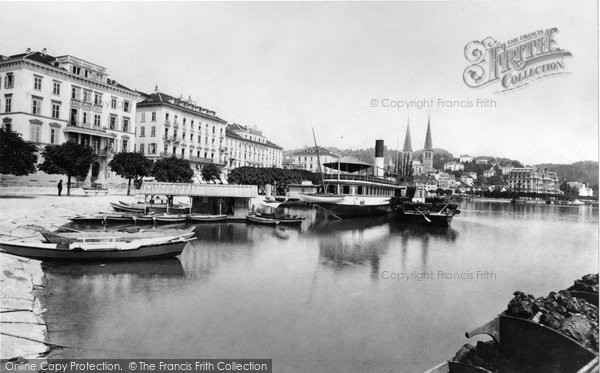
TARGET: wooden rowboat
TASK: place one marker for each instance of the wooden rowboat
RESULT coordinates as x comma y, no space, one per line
170,218
253,218
150,248
207,218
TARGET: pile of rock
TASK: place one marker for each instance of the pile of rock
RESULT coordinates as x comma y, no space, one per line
587,283
486,355
571,316
560,311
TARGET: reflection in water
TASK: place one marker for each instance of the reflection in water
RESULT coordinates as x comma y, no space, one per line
160,268
305,296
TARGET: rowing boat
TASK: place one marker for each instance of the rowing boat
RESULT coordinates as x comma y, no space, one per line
207,218
145,248
251,217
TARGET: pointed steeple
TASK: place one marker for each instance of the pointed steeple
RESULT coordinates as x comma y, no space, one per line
407,144
428,143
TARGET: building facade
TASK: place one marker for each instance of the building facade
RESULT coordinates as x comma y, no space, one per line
51,100
249,147
307,159
169,126
464,158
532,180
453,166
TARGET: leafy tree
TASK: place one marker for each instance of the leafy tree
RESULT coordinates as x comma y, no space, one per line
270,175
17,157
70,159
131,166
211,172
174,170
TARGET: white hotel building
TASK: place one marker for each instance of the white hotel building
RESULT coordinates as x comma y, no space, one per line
50,100
249,147
169,126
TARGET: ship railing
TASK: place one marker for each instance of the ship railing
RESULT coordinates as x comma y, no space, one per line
372,179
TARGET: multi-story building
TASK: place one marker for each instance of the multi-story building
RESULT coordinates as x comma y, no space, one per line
464,158
506,169
169,126
532,180
51,100
481,161
489,173
467,180
453,166
582,189
307,159
249,147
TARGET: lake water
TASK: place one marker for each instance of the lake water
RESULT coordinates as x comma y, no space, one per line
368,295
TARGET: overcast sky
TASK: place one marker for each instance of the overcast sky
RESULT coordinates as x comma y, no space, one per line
289,67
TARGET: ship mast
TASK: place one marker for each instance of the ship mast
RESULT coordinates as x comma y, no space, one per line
319,161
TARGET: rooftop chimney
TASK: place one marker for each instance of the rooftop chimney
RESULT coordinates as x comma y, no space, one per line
44,51
28,50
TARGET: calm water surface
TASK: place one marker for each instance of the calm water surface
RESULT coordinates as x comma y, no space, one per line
320,298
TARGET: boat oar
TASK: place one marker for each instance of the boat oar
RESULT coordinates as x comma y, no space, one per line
426,218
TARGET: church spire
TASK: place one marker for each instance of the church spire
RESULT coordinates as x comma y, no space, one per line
407,144
428,143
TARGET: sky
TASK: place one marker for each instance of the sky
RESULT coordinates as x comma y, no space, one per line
336,67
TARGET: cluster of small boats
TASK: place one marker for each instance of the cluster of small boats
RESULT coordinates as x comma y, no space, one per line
140,213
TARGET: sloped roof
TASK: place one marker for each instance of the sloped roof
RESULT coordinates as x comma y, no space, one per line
407,144
159,98
428,142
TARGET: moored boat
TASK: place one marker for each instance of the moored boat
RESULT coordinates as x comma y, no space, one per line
253,218
282,218
170,218
207,218
417,209
99,236
147,248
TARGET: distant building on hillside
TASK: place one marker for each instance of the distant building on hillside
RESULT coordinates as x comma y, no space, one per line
481,161
584,190
453,166
489,173
464,158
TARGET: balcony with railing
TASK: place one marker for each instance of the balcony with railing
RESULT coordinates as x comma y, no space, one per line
75,126
97,107
75,103
176,139
167,123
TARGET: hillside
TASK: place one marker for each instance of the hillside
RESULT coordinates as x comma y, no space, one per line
585,171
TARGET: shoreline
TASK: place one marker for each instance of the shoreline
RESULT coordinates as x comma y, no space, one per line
24,329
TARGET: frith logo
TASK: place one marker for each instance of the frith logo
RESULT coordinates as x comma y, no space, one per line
516,62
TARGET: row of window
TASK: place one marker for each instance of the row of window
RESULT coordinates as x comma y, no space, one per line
35,134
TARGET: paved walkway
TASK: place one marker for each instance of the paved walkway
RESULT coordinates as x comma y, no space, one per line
22,330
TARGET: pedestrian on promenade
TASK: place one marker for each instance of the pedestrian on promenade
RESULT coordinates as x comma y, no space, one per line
59,186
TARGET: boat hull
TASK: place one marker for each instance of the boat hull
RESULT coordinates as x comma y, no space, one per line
207,218
261,220
46,252
414,217
349,211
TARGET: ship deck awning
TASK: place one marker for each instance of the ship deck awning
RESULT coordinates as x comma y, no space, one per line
348,164
199,190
